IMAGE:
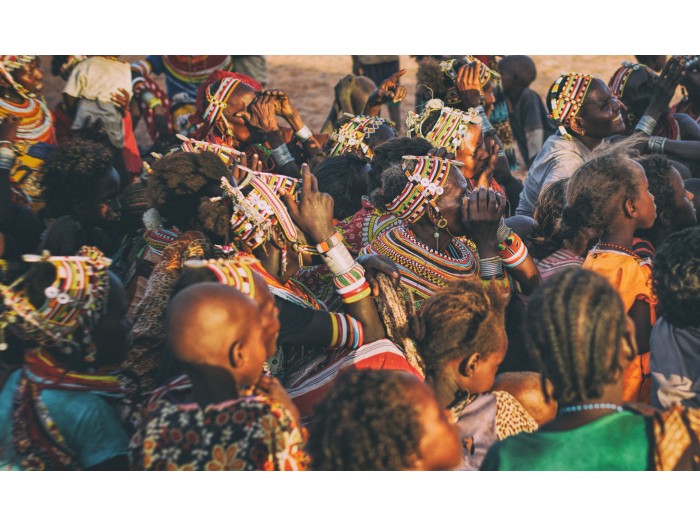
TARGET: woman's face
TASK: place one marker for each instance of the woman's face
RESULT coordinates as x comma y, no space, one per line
600,114
646,209
31,78
112,333
489,97
108,208
637,92
484,373
451,201
238,115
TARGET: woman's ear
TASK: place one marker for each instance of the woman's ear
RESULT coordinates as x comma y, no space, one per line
277,237
629,207
576,126
468,365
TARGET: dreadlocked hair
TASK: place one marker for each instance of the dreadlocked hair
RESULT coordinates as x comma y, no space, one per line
575,329
342,177
180,182
658,169
676,278
72,175
366,421
392,151
598,189
548,211
458,321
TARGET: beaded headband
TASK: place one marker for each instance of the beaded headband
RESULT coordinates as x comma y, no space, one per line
217,102
450,127
228,155
231,272
74,302
257,206
424,186
355,134
567,95
618,82
11,63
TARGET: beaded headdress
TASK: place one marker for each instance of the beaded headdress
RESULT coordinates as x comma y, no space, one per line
11,63
257,206
618,82
216,102
451,69
424,186
355,134
228,155
566,98
449,128
231,272
73,303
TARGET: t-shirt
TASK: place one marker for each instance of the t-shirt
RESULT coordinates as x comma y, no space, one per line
558,261
558,159
530,124
88,423
96,78
619,441
675,365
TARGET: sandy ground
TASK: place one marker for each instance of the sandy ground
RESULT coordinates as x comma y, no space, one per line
309,79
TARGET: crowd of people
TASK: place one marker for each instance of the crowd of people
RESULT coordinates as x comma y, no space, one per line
243,293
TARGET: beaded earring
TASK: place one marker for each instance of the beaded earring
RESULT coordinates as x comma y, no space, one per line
283,263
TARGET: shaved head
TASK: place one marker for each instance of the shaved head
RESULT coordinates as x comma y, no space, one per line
521,67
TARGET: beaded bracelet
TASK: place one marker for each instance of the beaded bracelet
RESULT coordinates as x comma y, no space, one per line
646,125
491,267
513,251
656,144
485,123
366,290
7,158
304,133
281,155
332,241
338,259
355,274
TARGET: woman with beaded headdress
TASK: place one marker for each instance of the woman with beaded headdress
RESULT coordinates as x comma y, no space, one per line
21,96
235,113
59,411
314,344
585,112
646,97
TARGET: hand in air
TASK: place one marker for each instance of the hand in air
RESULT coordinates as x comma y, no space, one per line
313,214
469,85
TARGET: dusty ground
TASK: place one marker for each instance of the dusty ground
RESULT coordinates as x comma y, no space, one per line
309,79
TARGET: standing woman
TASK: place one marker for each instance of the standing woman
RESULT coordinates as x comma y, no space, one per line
57,412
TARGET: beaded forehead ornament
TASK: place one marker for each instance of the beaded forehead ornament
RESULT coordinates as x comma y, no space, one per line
10,64
232,272
449,129
217,101
257,206
424,186
228,155
567,95
618,82
73,303
355,134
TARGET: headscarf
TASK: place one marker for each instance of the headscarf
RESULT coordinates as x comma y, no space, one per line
450,126
11,63
566,97
355,135
424,186
74,302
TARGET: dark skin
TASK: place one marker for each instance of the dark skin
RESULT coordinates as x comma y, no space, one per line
599,116
388,91
29,77
471,90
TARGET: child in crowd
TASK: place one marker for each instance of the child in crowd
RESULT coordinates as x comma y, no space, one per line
528,117
609,195
675,339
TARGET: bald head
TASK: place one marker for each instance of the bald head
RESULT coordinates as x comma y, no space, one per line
204,320
520,68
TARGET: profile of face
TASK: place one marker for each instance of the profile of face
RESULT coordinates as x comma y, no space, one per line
489,97
600,115
480,371
450,202
638,90
682,215
473,151
643,204
237,113
439,447
112,333
30,77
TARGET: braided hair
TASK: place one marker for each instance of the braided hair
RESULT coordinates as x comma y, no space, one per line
393,151
657,169
548,211
366,422
576,326
343,178
458,321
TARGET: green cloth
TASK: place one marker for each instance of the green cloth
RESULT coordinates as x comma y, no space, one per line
619,441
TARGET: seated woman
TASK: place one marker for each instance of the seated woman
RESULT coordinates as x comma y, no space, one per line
58,412
586,113
237,115
555,246
21,88
646,96
81,189
582,339
382,420
312,340
460,336
229,417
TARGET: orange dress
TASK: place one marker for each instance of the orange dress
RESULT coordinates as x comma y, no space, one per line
631,277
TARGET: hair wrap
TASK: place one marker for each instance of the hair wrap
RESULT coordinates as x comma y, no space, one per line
216,102
235,272
566,98
424,186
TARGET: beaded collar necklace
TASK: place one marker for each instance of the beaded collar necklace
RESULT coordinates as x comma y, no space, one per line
616,248
573,409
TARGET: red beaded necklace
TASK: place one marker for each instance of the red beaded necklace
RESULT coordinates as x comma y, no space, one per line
616,248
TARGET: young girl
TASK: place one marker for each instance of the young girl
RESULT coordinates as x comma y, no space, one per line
609,194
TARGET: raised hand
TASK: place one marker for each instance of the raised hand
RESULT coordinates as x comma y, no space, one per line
469,85
262,113
121,99
483,209
314,211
